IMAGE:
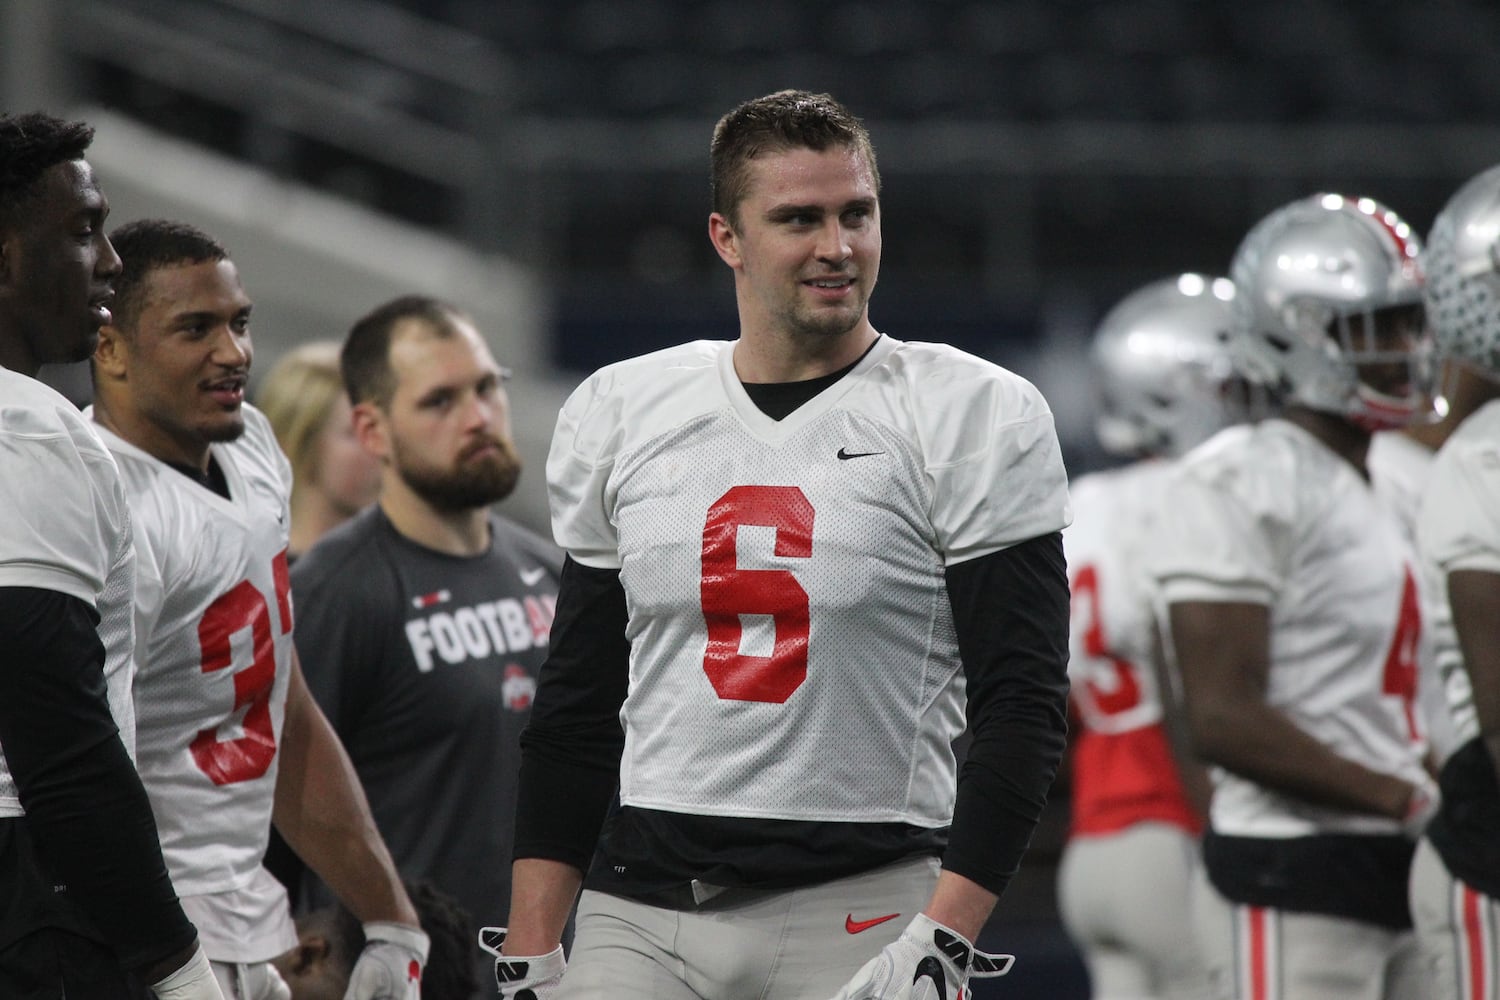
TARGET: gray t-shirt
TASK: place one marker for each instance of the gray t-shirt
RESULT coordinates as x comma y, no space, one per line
426,665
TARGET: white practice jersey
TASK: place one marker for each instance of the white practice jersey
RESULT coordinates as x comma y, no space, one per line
1269,515
792,646
1124,771
66,528
1112,639
1459,529
214,621
1400,468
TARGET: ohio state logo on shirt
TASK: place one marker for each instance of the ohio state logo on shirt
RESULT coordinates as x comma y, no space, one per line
518,689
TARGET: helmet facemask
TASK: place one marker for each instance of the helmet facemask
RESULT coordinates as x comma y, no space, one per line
1330,311
1388,353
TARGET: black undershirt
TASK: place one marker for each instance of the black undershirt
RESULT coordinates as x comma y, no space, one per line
1011,616
88,824
213,479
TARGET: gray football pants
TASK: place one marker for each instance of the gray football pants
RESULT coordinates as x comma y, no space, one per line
1257,953
794,944
1458,929
1126,900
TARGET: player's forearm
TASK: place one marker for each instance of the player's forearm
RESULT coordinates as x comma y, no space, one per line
1196,784
960,903
541,897
1259,743
322,812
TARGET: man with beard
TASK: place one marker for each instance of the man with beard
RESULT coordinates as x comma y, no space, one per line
424,619
229,739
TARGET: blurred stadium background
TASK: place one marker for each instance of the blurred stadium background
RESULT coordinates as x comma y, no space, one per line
544,165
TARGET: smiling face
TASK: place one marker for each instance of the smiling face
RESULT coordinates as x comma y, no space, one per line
804,244
57,270
174,382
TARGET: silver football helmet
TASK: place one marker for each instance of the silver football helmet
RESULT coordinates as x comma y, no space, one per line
1165,374
1463,274
1329,310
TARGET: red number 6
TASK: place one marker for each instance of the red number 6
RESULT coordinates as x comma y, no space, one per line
729,591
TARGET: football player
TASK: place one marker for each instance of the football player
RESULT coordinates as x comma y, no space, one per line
229,737
790,558
1167,381
85,892
1295,618
1456,874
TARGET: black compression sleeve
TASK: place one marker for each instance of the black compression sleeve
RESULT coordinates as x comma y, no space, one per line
86,809
1010,609
571,747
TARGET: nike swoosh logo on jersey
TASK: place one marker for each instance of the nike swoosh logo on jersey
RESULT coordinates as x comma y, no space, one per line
846,455
855,926
532,577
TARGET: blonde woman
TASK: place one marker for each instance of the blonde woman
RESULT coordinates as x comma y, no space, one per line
332,476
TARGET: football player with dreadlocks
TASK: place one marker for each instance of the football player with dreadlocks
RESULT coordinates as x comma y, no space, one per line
1295,619
1166,382
1455,888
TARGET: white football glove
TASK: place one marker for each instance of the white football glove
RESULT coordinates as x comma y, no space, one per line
523,977
390,965
927,962
1425,800
194,981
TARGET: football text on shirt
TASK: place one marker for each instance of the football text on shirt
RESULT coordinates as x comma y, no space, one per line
489,627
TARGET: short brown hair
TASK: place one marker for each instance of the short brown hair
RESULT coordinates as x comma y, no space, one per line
365,359
787,119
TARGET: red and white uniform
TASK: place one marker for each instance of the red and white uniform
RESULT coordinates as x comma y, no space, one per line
214,626
1459,529
1400,469
1457,873
1123,770
1269,515
744,546
66,528
1133,828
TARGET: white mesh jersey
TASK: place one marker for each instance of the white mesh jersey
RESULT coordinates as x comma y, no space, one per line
214,620
66,528
1459,529
792,646
1112,638
1269,515
1399,471
1124,771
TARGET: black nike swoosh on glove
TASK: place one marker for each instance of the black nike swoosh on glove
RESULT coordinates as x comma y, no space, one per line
933,970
